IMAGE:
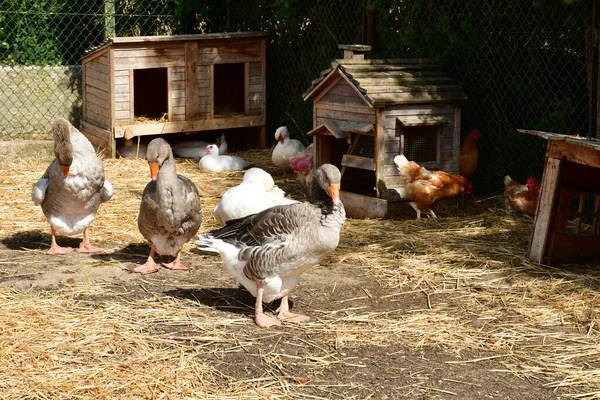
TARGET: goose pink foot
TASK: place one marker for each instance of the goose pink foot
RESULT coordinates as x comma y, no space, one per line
86,247
266,321
55,248
176,264
285,315
150,266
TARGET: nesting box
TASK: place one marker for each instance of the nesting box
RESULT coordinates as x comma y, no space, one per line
136,86
367,111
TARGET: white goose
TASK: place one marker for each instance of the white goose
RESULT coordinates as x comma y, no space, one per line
212,161
72,188
256,193
266,252
195,148
285,149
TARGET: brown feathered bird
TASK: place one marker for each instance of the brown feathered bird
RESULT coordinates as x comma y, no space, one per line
425,188
521,198
469,156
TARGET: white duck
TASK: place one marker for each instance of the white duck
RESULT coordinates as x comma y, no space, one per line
170,211
195,148
256,193
266,252
285,149
212,161
72,188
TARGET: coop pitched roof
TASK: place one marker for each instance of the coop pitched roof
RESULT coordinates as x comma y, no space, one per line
169,38
391,82
341,129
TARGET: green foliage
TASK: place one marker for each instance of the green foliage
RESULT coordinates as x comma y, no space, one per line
29,39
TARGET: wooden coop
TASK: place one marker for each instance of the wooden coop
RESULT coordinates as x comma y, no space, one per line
366,111
567,219
154,85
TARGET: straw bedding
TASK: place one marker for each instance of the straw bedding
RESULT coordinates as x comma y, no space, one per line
460,285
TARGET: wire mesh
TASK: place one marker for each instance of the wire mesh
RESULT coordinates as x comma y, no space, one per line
521,64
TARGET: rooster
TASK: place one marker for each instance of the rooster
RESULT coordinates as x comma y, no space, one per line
302,164
469,156
425,188
521,198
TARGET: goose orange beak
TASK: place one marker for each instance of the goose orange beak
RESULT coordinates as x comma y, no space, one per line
65,169
153,171
334,193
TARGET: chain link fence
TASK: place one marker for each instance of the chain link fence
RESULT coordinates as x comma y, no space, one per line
521,63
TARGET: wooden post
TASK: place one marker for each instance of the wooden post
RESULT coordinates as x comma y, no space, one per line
192,110
109,19
545,208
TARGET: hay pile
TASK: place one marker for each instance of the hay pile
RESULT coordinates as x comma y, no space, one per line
482,296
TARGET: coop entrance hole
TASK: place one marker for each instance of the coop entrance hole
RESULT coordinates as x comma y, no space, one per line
150,93
229,89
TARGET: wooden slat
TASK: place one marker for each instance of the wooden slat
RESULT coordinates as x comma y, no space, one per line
180,85
359,206
323,105
158,51
101,93
575,153
203,72
345,116
97,103
192,110
97,68
122,115
544,209
123,72
358,162
89,81
122,79
121,105
99,119
382,99
228,59
96,135
155,128
149,62
254,49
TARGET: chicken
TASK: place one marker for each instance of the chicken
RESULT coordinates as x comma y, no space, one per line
425,188
519,198
469,155
302,164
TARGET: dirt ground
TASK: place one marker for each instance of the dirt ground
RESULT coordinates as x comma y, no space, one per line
321,359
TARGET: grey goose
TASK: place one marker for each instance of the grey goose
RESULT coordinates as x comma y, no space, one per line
72,188
266,252
170,211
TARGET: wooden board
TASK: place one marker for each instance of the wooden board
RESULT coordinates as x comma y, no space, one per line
155,128
359,206
192,110
358,162
544,210
98,136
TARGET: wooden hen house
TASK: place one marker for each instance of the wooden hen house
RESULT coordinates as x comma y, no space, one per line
136,86
365,112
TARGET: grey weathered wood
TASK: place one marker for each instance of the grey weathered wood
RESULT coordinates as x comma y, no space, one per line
545,206
358,162
156,128
359,206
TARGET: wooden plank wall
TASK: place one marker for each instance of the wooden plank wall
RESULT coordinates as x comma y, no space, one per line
342,103
248,52
158,55
97,94
391,142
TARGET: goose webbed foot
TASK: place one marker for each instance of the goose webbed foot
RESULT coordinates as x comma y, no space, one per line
285,315
176,264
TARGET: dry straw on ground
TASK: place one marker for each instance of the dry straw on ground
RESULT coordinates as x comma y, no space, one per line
481,294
